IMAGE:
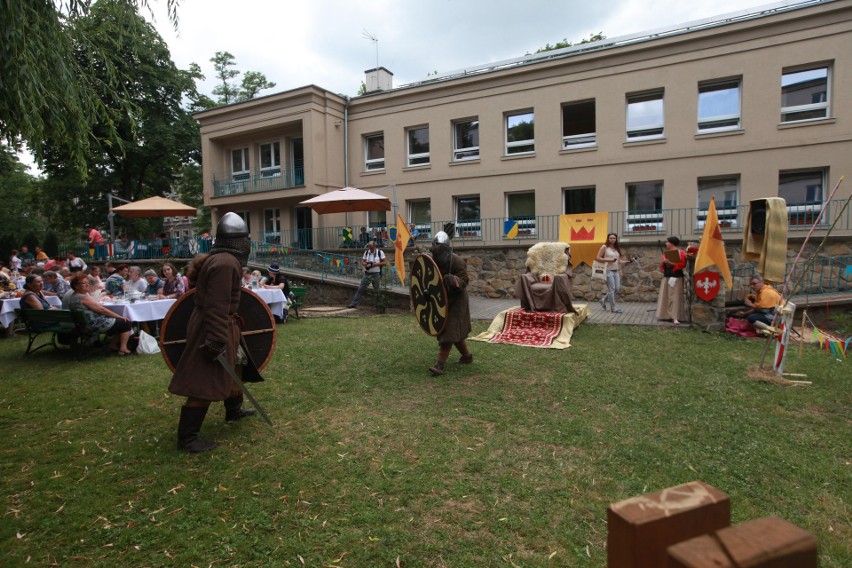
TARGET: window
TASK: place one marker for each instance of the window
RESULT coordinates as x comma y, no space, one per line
418,146
645,116
579,200
420,214
645,206
520,133
726,190
468,222
804,94
520,207
374,152
272,226
578,125
240,170
719,106
802,190
270,159
466,140
377,219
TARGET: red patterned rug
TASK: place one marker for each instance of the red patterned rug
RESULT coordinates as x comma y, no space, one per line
535,329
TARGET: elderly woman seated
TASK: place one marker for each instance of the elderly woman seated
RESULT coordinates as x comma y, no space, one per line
548,282
101,320
33,298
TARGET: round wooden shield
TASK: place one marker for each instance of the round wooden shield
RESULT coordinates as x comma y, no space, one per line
258,328
429,295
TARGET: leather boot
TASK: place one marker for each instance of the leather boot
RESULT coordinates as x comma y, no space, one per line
234,409
466,359
191,418
437,368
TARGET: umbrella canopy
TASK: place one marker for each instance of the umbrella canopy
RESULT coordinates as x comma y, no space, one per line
156,207
346,200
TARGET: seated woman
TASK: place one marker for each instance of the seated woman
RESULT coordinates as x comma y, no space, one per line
278,280
155,283
101,320
174,285
246,281
33,298
95,272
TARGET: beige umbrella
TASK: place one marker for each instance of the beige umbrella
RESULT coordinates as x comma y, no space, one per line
346,200
155,207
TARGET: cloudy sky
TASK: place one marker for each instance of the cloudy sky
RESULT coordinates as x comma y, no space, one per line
321,42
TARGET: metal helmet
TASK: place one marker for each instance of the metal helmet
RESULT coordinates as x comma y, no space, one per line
441,238
231,225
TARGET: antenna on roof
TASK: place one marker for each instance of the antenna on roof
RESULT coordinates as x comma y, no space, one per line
367,35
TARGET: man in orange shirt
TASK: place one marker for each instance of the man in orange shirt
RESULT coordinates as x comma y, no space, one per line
761,305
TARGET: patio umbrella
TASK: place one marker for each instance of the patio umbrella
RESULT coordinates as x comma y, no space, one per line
155,207
346,200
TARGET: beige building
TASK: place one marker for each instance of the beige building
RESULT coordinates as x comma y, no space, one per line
647,128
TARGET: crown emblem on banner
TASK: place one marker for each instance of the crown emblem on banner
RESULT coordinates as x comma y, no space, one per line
583,234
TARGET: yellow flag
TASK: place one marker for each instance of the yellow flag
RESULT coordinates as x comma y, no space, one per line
585,233
403,235
711,250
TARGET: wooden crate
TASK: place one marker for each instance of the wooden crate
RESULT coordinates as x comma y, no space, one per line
640,529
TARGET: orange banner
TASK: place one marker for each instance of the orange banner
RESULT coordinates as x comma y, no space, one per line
585,233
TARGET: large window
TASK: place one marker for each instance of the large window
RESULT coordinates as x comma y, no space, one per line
645,206
466,139
645,116
520,207
272,226
420,215
719,105
240,169
578,125
726,191
579,200
468,223
804,94
803,192
520,133
270,159
418,146
374,152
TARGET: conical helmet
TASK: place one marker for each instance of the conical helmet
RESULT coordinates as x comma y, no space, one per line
231,225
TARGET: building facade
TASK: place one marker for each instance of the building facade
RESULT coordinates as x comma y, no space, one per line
646,128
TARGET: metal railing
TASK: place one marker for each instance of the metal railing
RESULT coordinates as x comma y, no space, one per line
225,184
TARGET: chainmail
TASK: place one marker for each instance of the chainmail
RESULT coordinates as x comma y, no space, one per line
240,247
443,257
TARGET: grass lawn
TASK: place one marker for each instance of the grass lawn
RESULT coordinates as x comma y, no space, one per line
511,461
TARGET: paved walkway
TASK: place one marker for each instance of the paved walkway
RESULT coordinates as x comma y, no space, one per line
635,313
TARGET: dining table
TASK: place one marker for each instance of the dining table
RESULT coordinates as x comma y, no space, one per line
144,310
9,305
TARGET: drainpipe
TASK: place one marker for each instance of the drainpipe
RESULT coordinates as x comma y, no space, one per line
346,148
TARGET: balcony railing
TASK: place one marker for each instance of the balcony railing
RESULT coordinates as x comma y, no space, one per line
225,184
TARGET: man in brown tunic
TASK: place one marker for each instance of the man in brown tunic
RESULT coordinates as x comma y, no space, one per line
454,272
213,329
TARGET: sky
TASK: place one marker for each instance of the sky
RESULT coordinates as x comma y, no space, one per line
322,42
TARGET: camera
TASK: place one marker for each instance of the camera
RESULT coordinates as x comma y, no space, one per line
369,265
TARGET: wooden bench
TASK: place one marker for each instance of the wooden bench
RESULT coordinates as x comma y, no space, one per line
67,327
299,292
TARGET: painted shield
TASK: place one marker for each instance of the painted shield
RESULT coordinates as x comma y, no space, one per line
428,295
258,328
707,285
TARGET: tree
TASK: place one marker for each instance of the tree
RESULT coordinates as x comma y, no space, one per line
565,43
19,206
253,81
46,92
150,144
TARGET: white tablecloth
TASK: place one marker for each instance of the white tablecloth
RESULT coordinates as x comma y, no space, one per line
274,298
7,311
142,310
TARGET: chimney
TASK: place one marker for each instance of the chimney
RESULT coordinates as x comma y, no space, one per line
378,79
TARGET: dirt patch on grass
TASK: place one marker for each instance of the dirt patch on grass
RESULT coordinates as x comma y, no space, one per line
767,375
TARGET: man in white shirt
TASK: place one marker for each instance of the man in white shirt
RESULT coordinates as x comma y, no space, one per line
372,261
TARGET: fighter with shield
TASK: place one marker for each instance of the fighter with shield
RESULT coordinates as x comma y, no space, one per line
208,358
441,304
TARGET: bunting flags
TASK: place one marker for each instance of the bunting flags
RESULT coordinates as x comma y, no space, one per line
711,250
510,229
831,344
402,237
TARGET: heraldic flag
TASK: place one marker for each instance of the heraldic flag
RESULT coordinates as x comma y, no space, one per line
711,250
403,235
510,229
585,233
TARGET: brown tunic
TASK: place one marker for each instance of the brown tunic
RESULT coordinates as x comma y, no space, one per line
217,299
457,327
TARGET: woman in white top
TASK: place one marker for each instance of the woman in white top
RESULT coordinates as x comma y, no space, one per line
610,254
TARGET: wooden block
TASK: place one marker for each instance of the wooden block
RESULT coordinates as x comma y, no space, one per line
769,542
640,529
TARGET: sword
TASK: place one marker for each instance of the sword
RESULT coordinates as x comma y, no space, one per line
233,374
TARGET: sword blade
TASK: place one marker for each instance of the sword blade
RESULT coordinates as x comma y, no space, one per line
254,403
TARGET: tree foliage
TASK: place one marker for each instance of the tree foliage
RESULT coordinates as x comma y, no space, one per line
227,90
565,43
47,92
